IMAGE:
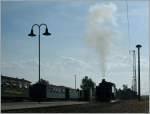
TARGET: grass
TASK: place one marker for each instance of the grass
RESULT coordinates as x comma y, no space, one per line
128,106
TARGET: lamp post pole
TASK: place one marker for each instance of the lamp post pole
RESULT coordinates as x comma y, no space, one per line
39,56
135,80
46,33
75,81
139,92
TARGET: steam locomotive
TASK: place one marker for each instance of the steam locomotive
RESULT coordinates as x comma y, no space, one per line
105,91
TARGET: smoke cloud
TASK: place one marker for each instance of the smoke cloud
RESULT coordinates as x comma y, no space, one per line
102,31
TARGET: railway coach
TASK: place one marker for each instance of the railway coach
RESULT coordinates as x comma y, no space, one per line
52,92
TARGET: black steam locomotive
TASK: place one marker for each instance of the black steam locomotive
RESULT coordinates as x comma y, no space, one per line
106,91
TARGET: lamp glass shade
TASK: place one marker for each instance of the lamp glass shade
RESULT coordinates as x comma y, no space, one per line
31,33
138,46
46,33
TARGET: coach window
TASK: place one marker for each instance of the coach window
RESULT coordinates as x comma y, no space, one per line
57,90
54,89
20,85
25,85
113,89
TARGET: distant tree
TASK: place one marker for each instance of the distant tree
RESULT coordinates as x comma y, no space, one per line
126,93
42,81
125,87
87,83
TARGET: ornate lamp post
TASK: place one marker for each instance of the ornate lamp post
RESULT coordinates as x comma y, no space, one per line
46,33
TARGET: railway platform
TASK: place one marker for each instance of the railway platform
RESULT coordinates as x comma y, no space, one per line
24,105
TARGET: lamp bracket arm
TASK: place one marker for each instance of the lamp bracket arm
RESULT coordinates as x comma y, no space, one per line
35,25
43,24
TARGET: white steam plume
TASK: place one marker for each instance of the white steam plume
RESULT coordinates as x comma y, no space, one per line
102,31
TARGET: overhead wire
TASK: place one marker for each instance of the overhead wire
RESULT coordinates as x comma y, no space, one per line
128,30
128,25
129,40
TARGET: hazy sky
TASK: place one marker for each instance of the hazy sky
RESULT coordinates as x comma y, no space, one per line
66,53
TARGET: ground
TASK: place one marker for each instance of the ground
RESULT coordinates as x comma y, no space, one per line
128,106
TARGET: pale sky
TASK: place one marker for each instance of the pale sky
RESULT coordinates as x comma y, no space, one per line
66,53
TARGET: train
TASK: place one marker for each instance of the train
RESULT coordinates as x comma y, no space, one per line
15,89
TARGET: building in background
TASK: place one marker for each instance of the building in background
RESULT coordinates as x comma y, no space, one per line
14,88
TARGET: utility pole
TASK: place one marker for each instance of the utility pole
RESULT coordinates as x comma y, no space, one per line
134,62
139,92
134,83
75,80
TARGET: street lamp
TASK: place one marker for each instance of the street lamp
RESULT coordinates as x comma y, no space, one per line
46,33
139,92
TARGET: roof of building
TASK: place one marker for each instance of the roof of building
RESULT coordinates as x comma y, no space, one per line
60,86
57,86
12,78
